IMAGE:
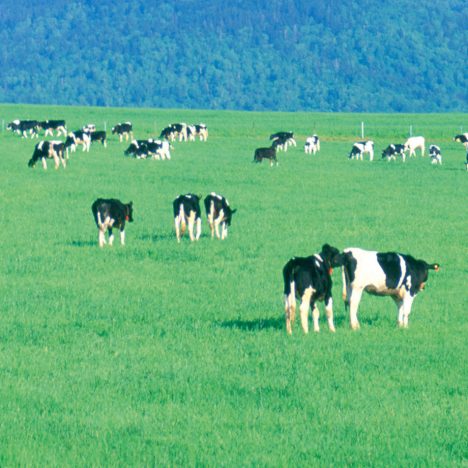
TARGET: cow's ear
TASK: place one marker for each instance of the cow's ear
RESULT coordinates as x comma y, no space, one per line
339,260
130,204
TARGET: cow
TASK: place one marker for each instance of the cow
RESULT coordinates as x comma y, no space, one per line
124,129
393,274
312,144
413,143
265,153
201,130
89,128
219,213
48,149
111,213
394,150
168,133
100,135
309,279
80,137
158,149
462,138
187,212
281,140
137,148
360,148
23,127
50,125
435,154
179,130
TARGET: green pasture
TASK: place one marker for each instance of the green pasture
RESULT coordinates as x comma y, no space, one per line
160,353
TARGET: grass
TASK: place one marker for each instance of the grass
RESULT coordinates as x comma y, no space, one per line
167,354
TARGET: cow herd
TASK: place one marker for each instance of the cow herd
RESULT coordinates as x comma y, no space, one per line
308,279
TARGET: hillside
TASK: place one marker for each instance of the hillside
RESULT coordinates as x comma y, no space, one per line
289,55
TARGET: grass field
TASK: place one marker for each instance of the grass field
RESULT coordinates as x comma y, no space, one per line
176,354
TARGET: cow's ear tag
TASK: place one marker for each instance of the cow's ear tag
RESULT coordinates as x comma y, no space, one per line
330,271
126,218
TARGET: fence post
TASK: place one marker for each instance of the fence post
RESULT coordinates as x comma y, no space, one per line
3,125
461,128
105,126
410,130
362,130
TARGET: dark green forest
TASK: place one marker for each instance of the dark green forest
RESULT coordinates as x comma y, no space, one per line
317,55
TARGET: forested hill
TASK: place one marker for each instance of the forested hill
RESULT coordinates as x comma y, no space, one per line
325,55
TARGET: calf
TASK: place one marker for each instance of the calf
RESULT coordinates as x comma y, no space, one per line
187,211
383,274
312,144
23,127
309,278
48,149
111,213
123,130
281,140
360,148
265,153
218,212
50,125
435,154
413,143
100,135
80,137
394,150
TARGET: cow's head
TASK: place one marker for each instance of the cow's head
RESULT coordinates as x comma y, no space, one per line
229,214
332,256
129,212
114,130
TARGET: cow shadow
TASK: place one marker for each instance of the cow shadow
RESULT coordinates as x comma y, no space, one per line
82,243
156,237
253,325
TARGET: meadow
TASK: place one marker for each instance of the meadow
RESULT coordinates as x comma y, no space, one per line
160,353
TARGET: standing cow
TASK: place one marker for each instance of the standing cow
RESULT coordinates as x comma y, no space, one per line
187,212
312,145
124,129
414,143
219,213
48,150
111,213
435,154
360,148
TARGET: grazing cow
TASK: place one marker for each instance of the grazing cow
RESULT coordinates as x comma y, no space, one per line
124,129
100,135
265,153
383,274
89,128
218,212
413,143
50,125
137,148
48,149
394,150
179,130
281,140
109,214
309,278
360,148
168,133
201,130
23,127
187,211
462,138
435,154
80,137
312,144
159,149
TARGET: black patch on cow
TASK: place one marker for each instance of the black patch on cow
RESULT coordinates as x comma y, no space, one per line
390,264
349,266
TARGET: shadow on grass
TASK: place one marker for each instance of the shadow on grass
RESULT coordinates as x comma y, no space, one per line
156,237
80,243
253,325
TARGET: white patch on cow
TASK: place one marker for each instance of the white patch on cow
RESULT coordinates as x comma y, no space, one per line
408,282
304,308
403,271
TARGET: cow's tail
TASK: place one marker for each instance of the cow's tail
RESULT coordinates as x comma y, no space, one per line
346,281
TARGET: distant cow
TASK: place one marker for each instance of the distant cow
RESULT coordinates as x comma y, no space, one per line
187,212
89,128
394,150
435,154
265,153
100,135
24,127
312,144
413,143
360,148
201,130
462,138
109,214
168,133
383,274
281,140
80,137
219,213
179,130
309,279
48,150
50,125
124,129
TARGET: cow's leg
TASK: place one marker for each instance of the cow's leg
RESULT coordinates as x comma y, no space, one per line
304,308
44,163
371,155
399,303
217,222
198,228
290,308
211,223
191,222
329,312
111,236
122,236
177,227
407,303
354,300
56,160
315,317
104,142
102,237
224,231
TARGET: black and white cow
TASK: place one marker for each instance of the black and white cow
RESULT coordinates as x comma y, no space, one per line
99,135
360,148
24,127
265,153
462,138
168,133
201,130
309,279
187,212
414,143
124,129
48,150
80,137
392,274
137,148
111,213
219,213
89,128
179,130
158,149
50,125
312,144
281,140
435,154
394,150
